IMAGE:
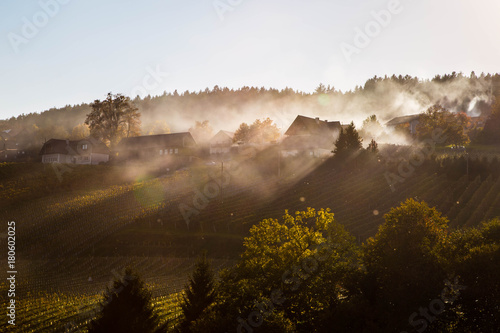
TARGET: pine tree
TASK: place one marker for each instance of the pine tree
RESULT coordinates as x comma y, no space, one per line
199,293
348,141
127,307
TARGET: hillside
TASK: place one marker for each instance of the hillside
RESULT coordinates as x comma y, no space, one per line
75,236
226,109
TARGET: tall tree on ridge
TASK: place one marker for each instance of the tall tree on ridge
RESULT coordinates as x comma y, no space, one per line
113,118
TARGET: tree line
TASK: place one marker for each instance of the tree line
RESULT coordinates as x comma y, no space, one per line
455,92
306,273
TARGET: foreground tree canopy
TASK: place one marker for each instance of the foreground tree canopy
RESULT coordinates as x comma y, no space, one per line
306,273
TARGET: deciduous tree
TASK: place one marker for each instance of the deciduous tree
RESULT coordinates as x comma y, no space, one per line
404,261
453,125
261,131
80,132
113,118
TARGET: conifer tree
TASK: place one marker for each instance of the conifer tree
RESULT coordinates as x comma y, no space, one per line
127,307
199,293
348,141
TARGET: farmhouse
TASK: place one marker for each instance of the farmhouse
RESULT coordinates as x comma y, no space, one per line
410,122
13,145
310,136
221,142
86,151
149,147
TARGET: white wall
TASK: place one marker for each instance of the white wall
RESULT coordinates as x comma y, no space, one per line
98,158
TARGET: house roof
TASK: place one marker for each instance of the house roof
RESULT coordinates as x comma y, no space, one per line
72,147
402,120
311,126
160,140
229,135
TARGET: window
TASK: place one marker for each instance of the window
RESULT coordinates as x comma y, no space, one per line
84,147
161,152
50,159
85,158
176,150
171,151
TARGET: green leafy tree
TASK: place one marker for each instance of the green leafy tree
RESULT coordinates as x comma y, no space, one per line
113,118
242,134
474,257
260,131
265,130
127,307
453,125
348,141
199,294
404,262
292,271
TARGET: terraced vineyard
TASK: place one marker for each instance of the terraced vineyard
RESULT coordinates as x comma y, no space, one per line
57,312
61,276
71,245
360,199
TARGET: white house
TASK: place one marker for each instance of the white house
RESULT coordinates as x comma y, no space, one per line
221,142
86,151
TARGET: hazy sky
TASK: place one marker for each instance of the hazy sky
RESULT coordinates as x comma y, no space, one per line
59,52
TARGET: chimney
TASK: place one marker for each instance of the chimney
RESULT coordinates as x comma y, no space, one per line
317,120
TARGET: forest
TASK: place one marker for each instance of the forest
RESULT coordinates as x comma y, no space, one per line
225,109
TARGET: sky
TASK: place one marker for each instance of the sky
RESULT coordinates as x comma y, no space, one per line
65,52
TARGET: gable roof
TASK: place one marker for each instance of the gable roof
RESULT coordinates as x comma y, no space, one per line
222,133
72,147
230,134
402,120
309,126
182,139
